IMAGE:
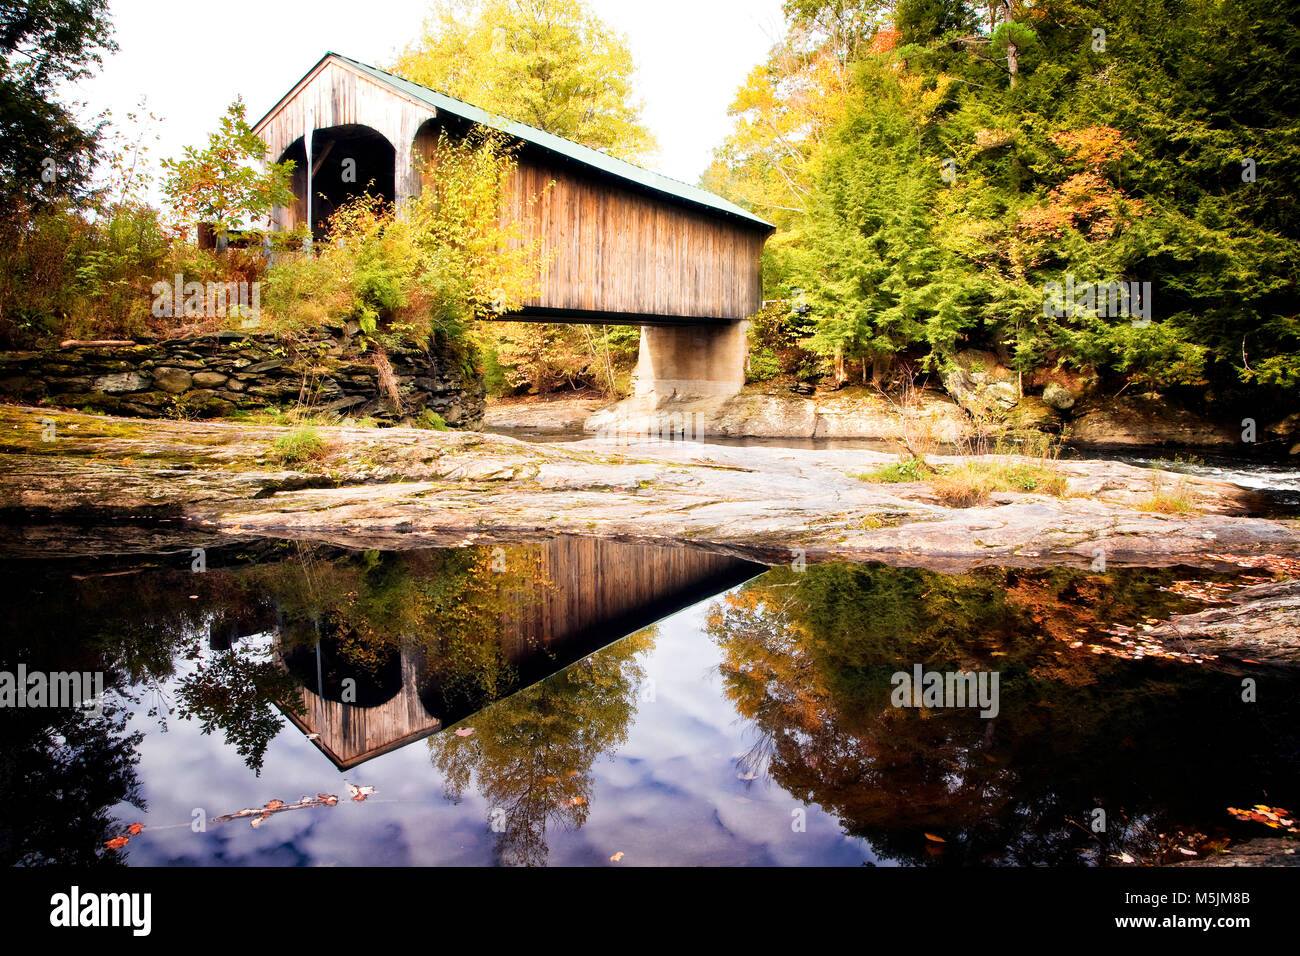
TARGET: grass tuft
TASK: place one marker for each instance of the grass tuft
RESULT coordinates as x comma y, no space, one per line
300,445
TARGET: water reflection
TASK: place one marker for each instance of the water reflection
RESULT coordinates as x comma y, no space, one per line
538,718
364,652
1161,748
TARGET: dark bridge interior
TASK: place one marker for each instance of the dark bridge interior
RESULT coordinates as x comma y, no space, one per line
347,161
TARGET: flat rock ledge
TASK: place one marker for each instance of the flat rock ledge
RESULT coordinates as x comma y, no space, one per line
404,488
1259,625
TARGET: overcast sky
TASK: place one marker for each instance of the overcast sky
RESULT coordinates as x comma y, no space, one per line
190,60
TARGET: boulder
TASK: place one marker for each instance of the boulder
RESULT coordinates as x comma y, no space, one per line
1058,397
1288,427
1143,421
1031,412
980,383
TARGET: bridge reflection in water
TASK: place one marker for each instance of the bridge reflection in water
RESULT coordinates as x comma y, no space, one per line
434,636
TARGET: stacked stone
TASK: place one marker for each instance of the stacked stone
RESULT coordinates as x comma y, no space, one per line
216,374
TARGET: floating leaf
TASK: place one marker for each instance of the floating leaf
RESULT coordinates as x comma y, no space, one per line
464,731
117,842
616,857
135,828
359,793
935,839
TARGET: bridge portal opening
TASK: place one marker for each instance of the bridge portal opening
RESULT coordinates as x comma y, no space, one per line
347,161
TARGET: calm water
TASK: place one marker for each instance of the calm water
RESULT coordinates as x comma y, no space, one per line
568,702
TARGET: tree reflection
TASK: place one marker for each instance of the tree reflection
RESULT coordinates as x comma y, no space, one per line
808,658
237,692
61,773
531,754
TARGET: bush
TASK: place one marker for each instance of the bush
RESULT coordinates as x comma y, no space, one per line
763,366
444,261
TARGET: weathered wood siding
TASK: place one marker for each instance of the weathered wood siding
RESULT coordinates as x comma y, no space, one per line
612,249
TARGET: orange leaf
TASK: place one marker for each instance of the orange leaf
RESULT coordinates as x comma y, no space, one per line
135,828
117,843
274,804
934,839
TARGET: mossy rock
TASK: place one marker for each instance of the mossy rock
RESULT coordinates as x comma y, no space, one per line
1031,412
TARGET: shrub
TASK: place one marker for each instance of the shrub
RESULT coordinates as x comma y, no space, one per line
446,260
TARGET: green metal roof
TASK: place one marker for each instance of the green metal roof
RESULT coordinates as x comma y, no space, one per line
556,144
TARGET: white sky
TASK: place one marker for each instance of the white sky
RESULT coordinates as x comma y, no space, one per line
192,59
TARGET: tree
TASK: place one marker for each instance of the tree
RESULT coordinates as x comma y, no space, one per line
220,184
45,155
788,106
985,151
549,63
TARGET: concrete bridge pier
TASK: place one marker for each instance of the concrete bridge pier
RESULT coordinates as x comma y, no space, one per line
691,361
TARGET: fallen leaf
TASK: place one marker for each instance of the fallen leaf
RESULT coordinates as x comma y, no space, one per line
274,804
464,731
117,843
360,793
616,857
935,839
135,828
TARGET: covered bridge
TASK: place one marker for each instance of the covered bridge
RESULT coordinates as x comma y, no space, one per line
624,245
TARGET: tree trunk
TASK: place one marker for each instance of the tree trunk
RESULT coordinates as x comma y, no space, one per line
1013,54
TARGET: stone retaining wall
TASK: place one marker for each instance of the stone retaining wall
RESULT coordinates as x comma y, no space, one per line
216,374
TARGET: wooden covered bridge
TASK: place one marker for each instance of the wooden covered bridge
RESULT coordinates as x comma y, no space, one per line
623,245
